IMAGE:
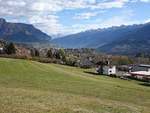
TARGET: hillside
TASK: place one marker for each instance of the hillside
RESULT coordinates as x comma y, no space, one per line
21,33
95,38
132,43
32,87
124,40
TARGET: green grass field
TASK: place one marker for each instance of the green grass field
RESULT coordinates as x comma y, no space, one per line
32,87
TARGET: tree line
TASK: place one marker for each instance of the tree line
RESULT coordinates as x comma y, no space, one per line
60,55
9,49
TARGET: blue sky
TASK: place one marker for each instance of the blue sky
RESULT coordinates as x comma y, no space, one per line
71,16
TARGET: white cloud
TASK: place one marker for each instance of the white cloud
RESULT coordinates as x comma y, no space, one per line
112,4
86,15
18,3
52,6
44,6
148,20
43,13
48,23
145,0
122,19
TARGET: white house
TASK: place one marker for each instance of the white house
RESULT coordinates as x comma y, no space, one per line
1,48
107,70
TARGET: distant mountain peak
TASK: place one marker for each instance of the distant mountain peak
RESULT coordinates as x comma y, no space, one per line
125,39
22,33
2,20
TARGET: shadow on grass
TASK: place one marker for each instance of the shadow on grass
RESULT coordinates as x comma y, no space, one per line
93,73
145,84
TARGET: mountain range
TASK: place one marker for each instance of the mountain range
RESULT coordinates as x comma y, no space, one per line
124,40
22,33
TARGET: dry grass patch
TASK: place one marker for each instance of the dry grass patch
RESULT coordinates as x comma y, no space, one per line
32,101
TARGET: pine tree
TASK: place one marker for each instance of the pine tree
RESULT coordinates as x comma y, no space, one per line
10,49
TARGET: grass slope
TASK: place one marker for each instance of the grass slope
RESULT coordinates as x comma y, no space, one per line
32,87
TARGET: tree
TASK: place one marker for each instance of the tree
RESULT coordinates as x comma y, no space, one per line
124,60
35,53
32,52
50,54
57,55
60,54
64,59
10,49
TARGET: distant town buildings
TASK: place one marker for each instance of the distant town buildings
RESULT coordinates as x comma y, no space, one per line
140,71
141,74
137,71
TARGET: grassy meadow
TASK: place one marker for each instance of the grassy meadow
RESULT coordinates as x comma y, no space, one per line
33,87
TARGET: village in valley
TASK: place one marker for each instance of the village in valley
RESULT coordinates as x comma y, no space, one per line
122,67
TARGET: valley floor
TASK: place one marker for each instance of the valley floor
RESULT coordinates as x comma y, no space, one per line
32,87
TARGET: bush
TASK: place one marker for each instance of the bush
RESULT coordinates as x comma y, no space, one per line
46,60
70,61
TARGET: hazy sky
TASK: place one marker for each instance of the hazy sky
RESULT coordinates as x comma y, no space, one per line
70,16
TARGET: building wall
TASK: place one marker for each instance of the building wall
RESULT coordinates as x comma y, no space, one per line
1,49
140,75
109,70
